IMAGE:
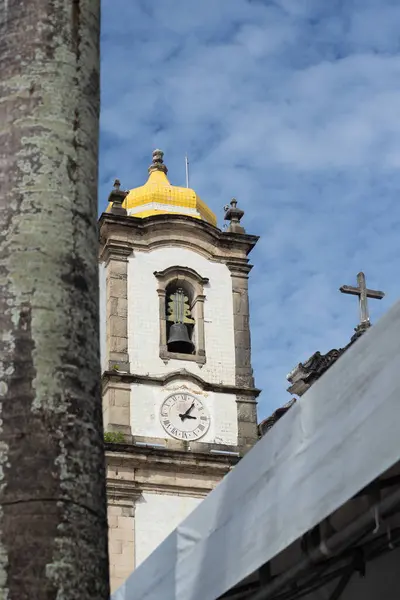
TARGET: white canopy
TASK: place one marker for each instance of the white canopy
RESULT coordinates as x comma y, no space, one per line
342,434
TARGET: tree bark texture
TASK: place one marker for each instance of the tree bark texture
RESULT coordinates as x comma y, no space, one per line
53,525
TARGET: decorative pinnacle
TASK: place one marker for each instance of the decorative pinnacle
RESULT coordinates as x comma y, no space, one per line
158,162
116,197
234,214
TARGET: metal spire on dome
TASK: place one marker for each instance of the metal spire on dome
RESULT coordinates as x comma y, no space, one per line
187,170
158,162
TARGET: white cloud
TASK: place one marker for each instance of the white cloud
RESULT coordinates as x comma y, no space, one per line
292,107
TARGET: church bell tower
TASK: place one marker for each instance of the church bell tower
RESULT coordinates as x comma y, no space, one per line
179,402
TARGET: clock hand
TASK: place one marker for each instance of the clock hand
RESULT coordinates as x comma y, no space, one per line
189,410
186,415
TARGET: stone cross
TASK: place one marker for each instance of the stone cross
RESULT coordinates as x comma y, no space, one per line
363,293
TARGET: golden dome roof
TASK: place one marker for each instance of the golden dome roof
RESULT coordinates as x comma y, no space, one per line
158,196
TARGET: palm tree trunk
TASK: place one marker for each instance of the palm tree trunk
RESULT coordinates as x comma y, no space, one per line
53,527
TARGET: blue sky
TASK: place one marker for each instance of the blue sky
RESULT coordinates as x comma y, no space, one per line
291,106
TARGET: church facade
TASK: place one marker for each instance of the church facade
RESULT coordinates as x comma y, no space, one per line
179,401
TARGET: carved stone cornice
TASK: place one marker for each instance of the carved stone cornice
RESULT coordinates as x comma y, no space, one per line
116,250
120,490
178,230
180,272
181,374
167,460
239,268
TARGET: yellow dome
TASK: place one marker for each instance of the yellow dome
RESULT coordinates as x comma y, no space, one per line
158,196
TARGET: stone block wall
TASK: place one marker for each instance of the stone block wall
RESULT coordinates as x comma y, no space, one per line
121,541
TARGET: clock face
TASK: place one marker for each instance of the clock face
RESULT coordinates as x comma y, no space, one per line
184,417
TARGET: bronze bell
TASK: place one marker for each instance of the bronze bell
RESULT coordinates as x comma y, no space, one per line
179,340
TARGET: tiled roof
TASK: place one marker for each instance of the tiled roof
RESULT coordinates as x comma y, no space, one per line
305,374
269,422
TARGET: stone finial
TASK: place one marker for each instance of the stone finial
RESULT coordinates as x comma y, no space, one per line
234,215
116,197
305,374
158,162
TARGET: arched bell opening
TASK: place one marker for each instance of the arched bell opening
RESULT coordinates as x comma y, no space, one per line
180,323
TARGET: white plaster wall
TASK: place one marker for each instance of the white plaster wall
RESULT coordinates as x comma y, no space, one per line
156,516
102,308
143,315
146,402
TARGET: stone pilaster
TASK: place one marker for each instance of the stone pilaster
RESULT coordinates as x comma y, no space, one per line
247,423
121,540
116,261
198,311
117,406
247,406
241,324
163,321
